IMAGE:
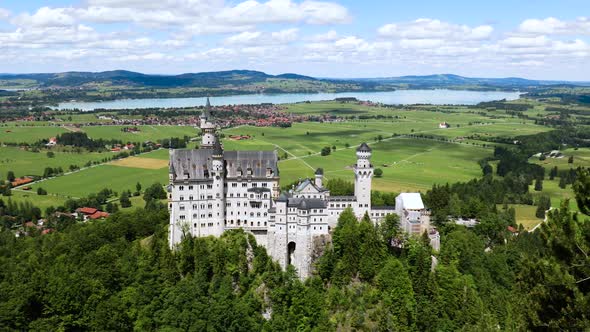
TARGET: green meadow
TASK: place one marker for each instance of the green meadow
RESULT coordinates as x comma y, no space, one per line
28,134
408,164
92,180
146,133
23,162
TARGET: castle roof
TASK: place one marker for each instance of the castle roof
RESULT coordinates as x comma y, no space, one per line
283,198
411,201
364,148
206,111
217,149
307,182
194,164
306,203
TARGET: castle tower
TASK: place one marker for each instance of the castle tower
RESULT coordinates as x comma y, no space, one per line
363,172
319,175
207,128
218,175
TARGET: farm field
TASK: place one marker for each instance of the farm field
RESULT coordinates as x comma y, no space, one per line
23,162
525,215
146,133
26,134
94,179
32,134
409,164
581,159
40,201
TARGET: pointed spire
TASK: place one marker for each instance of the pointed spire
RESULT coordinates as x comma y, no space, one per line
217,149
206,114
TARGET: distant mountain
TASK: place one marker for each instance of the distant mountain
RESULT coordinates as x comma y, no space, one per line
123,77
446,80
255,81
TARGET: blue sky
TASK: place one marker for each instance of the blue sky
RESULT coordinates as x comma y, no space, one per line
542,39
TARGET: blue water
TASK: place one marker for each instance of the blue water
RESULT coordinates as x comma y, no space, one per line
398,97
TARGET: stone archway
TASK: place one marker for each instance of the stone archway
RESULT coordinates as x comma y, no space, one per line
290,252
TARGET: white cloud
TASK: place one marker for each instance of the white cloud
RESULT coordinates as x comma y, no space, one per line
425,28
525,42
276,11
554,26
47,17
263,38
4,14
324,37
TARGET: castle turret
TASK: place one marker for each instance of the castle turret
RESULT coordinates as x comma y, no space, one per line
319,175
363,171
218,175
207,128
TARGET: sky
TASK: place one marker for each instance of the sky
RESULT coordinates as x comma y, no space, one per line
536,39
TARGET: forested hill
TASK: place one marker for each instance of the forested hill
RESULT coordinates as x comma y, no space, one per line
120,275
230,78
250,79
450,80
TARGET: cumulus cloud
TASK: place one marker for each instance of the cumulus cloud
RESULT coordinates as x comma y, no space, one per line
324,37
554,26
426,28
263,38
47,17
4,14
275,11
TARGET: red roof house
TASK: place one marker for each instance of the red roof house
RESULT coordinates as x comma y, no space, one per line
86,210
21,181
98,215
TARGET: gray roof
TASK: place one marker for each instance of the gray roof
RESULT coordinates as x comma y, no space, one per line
257,161
306,203
206,111
192,164
364,147
319,171
283,198
307,182
217,149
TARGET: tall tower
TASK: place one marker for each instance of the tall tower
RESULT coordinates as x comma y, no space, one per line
363,171
218,175
207,128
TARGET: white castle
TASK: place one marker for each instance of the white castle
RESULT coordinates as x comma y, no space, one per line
212,190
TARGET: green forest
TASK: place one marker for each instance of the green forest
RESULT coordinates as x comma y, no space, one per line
120,275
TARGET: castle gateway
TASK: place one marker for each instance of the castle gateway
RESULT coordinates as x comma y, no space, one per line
212,190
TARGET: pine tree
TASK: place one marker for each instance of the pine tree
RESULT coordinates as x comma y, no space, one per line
124,200
538,184
562,182
582,190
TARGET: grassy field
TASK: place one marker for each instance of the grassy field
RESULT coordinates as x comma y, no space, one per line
151,133
581,158
32,134
525,215
94,179
40,201
23,162
408,164
28,134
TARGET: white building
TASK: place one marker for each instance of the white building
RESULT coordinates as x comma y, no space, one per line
212,190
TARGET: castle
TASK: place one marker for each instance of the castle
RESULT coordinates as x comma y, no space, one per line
212,190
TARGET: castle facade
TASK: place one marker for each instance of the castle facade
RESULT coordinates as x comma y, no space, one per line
211,190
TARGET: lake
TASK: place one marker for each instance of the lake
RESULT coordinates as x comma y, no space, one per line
398,97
